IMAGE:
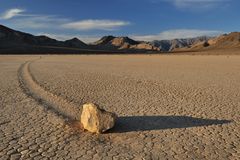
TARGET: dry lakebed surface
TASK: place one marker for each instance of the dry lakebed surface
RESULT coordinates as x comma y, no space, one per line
168,106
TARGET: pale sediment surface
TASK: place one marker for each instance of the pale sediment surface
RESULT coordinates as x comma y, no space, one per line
169,107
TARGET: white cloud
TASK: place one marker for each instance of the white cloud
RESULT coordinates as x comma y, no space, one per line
31,21
11,13
177,33
197,4
63,37
90,24
38,22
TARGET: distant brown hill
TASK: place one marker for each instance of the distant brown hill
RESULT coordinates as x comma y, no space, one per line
225,41
12,38
12,41
177,44
76,43
123,43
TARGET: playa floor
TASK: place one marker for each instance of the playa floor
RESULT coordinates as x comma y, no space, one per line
169,106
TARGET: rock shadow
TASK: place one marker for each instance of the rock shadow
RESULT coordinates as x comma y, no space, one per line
147,123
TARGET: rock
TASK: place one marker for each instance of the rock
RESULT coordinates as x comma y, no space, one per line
95,119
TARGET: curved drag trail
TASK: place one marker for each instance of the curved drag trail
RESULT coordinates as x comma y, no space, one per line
63,108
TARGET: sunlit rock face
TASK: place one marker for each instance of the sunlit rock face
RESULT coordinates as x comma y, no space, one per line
97,120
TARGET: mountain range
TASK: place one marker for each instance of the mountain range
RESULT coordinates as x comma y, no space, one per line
12,41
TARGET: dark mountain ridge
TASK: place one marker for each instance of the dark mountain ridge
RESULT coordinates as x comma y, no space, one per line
12,41
171,45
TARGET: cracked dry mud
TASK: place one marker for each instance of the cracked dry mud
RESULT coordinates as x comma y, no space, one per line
169,107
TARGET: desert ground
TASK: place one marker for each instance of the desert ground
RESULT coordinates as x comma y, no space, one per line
168,106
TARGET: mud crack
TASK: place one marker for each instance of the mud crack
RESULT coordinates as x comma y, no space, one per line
60,106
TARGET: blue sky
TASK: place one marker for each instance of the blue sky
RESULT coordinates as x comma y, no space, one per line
139,19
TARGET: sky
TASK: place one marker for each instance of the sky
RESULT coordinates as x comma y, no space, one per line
145,20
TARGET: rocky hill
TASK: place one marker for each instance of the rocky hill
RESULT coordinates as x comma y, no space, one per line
10,38
175,44
76,43
123,43
12,41
225,41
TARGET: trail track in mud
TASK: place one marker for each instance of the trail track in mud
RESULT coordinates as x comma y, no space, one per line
64,109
